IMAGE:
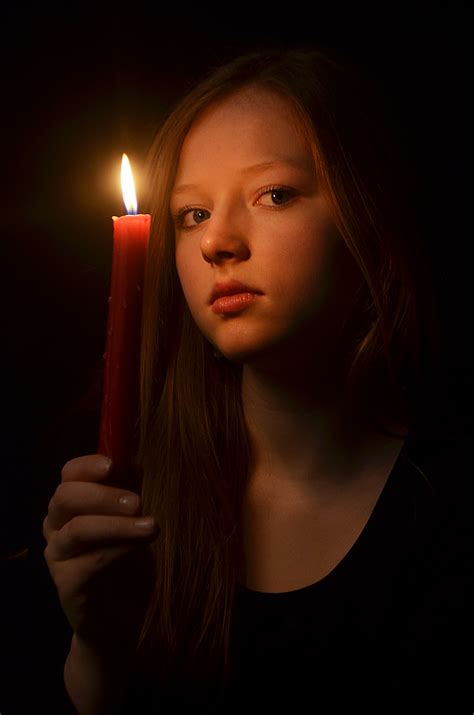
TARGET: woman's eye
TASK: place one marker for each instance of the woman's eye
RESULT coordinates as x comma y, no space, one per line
187,218
275,196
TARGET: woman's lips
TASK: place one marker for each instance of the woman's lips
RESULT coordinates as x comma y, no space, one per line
233,303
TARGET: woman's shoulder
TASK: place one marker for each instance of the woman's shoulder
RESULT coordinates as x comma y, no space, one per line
444,463
445,453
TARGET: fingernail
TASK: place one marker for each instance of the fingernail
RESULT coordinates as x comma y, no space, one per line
145,522
105,464
130,501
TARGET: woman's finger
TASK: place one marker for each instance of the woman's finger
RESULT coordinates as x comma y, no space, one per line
72,576
86,468
75,498
89,532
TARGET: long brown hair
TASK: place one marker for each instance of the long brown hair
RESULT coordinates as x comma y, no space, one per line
194,446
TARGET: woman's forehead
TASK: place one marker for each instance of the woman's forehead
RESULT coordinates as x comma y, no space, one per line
252,100
252,121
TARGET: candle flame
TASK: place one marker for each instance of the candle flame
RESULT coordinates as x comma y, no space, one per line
128,187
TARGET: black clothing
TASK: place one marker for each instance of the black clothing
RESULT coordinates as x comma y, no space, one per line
390,629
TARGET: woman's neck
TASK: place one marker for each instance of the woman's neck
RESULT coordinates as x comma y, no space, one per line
308,436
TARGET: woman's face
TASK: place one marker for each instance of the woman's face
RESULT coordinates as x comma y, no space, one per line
247,207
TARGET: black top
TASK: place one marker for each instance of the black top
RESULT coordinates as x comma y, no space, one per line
389,629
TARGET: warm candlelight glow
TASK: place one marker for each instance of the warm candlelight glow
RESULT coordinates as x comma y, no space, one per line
128,187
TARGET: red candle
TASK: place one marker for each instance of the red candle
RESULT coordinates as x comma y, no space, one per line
121,359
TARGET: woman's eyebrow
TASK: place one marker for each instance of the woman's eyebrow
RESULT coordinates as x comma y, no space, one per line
286,161
255,169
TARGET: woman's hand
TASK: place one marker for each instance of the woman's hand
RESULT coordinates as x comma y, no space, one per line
97,554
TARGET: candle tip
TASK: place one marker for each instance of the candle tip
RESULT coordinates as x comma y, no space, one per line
128,186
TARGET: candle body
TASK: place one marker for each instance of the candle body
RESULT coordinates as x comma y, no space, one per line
118,426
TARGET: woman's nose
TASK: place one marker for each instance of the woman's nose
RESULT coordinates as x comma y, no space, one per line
225,238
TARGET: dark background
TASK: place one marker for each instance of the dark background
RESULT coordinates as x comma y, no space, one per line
80,89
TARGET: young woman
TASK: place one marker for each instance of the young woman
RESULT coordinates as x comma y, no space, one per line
296,544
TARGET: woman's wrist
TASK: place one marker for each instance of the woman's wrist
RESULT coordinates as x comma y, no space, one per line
96,682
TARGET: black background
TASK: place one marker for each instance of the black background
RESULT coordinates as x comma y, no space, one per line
80,89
